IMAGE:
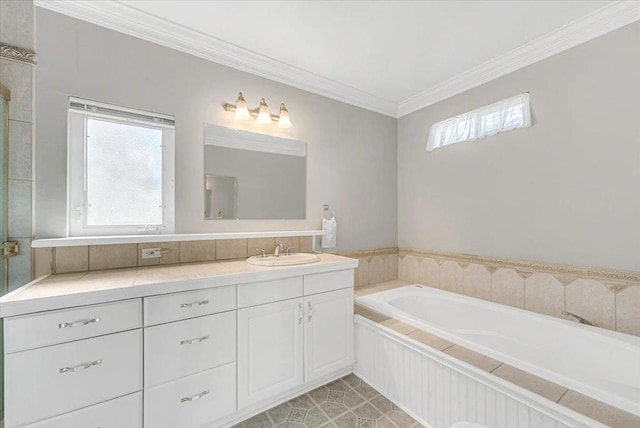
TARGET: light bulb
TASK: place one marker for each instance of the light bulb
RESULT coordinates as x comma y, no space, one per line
242,112
284,121
264,117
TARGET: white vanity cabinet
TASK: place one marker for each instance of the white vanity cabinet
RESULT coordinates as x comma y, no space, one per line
180,358
270,354
328,334
286,344
46,381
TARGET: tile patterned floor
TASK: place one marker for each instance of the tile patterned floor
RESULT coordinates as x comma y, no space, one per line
345,403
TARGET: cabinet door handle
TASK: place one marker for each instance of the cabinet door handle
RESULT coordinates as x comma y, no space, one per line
79,323
194,397
192,304
310,312
300,313
80,367
194,340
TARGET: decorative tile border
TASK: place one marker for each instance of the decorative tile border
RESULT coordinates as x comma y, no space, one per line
369,253
529,267
17,53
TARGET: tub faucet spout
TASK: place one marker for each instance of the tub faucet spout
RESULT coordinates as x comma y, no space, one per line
578,318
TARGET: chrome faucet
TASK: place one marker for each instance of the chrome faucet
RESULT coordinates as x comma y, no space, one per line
578,318
279,247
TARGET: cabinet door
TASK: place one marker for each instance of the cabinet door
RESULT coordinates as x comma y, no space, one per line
270,346
328,337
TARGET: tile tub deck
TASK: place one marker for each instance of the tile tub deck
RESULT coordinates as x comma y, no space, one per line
573,400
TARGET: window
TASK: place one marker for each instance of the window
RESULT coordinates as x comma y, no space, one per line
502,116
121,170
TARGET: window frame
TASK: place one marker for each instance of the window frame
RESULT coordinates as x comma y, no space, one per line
472,121
79,112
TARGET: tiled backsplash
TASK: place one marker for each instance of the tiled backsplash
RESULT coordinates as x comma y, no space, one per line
97,257
374,266
608,298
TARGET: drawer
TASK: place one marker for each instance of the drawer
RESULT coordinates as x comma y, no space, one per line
259,293
186,347
321,282
188,304
123,412
50,381
192,401
49,328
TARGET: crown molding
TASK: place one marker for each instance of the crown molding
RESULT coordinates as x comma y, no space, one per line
601,21
125,19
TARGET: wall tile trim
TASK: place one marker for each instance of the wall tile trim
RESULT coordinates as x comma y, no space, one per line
17,53
526,267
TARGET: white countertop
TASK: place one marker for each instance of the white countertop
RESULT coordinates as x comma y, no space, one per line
85,288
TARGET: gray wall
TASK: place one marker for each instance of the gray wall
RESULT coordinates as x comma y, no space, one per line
566,190
269,185
351,151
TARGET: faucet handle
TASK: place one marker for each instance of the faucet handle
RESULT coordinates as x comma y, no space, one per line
289,248
264,253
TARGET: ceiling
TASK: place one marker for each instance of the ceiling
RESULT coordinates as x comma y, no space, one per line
389,56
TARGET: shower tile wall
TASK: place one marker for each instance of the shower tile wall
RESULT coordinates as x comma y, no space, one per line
608,298
17,29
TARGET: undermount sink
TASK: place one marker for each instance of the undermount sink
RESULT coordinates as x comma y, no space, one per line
283,260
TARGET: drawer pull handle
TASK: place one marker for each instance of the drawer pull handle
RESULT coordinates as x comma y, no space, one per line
80,367
310,311
300,313
192,304
194,340
78,323
194,397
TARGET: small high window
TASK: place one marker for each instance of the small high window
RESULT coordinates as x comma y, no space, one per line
121,173
489,120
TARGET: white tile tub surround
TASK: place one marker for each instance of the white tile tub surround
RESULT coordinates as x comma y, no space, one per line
439,390
597,362
607,298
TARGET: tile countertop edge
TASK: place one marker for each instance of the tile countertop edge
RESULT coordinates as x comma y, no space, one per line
129,290
139,239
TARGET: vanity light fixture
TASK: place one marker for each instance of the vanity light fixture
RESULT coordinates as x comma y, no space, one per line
262,114
284,121
242,111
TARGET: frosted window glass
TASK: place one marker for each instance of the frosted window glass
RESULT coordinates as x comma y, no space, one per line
504,115
123,173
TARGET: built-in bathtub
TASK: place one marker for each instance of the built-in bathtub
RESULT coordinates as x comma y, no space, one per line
600,363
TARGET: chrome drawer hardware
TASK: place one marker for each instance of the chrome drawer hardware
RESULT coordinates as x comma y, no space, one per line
194,397
192,304
310,311
300,313
78,323
80,367
194,340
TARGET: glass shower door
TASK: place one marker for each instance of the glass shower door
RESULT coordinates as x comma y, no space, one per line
4,148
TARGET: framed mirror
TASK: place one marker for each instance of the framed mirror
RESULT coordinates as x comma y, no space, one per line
252,176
